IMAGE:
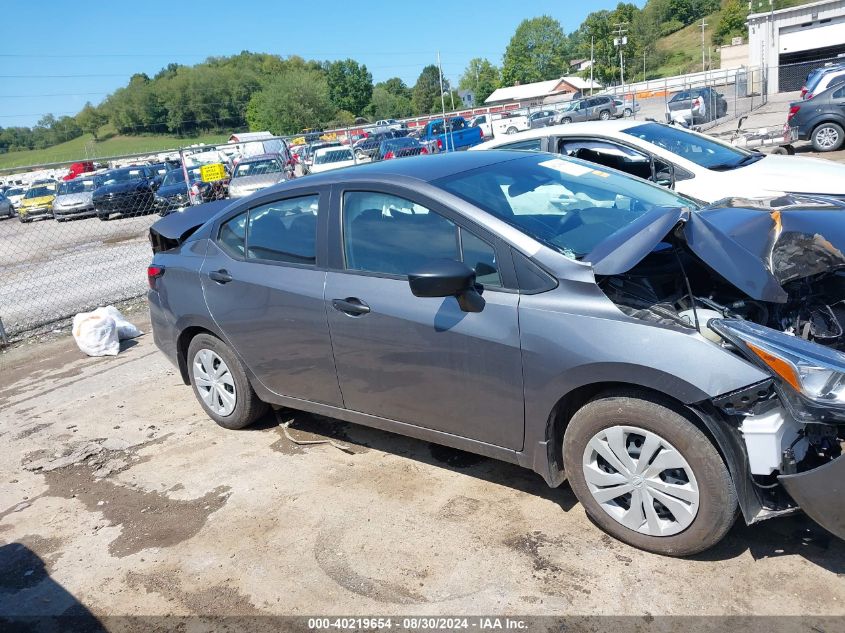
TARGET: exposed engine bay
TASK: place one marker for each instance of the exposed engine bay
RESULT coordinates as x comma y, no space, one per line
778,266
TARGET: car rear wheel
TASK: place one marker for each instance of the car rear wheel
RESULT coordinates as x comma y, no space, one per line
103,216
220,383
648,476
627,112
566,120
828,137
511,130
604,115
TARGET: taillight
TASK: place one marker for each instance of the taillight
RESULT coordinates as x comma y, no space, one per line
809,96
697,103
423,150
389,155
153,273
439,144
792,112
803,91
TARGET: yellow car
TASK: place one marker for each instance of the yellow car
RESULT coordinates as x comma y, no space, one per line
37,201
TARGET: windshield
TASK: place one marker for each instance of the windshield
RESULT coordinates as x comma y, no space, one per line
175,176
568,204
698,149
333,156
122,175
39,192
15,192
258,168
76,186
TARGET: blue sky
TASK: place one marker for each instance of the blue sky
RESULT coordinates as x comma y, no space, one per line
56,55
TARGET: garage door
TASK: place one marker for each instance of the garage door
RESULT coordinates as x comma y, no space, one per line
804,48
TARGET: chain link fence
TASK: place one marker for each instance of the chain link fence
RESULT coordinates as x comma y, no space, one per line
74,234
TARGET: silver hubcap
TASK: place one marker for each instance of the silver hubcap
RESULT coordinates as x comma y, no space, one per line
214,382
827,137
641,480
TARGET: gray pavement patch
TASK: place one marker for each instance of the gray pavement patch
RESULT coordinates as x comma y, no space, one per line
216,600
330,556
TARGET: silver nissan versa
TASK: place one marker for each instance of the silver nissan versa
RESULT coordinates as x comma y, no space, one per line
673,362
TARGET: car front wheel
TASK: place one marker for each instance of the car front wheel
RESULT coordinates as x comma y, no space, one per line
604,115
648,476
828,137
220,383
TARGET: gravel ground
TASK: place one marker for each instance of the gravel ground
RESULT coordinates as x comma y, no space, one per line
120,497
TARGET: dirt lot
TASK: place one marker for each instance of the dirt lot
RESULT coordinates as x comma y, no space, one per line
119,495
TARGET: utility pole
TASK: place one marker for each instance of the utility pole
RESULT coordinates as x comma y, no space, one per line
703,60
592,61
620,41
443,102
644,66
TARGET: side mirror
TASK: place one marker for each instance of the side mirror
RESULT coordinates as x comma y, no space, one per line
448,278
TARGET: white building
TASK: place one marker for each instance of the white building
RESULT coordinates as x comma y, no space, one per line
791,42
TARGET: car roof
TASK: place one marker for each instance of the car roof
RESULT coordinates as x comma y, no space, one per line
424,168
330,148
570,129
257,157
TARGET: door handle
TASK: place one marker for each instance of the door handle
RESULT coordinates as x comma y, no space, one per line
221,276
351,306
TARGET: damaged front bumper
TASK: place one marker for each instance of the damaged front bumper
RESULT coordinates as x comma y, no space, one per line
820,493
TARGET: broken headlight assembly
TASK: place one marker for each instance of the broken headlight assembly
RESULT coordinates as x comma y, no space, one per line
812,376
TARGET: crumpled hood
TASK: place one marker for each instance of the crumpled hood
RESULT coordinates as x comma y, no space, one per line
757,245
794,174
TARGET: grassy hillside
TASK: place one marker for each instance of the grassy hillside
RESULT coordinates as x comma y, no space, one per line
682,49
114,145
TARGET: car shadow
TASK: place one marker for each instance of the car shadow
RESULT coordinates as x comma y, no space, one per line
30,600
795,535
314,427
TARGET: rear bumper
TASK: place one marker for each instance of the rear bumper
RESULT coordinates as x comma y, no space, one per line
164,334
820,493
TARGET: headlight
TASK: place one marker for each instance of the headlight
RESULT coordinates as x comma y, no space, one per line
813,371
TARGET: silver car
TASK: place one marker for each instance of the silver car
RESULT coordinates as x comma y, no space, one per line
74,199
255,173
6,208
675,363
589,109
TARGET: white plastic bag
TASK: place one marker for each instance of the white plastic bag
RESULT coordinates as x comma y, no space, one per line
98,333
124,328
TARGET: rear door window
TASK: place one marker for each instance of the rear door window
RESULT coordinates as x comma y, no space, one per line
284,231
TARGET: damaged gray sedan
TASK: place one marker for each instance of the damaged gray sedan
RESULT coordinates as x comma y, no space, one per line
674,363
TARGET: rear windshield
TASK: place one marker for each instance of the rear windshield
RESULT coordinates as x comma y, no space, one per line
333,156
122,175
258,168
76,186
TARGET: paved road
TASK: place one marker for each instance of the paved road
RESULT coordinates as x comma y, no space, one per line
120,496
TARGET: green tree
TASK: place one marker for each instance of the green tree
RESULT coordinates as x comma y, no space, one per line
387,105
395,86
427,89
91,119
731,22
350,85
295,100
481,77
536,52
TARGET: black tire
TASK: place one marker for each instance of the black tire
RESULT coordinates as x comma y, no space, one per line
604,115
717,502
24,220
828,137
627,112
566,120
511,130
248,407
103,217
